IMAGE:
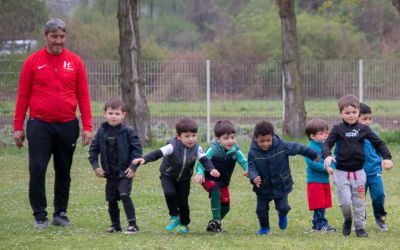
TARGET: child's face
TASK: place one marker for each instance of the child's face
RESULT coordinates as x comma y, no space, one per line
365,119
189,139
227,141
114,117
264,141
320,136
350,114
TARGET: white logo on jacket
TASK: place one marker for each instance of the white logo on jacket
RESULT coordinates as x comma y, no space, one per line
353,133
67,66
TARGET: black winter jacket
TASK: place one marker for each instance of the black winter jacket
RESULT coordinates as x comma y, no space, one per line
128,145
272,166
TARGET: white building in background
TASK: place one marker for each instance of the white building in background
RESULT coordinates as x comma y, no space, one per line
18,46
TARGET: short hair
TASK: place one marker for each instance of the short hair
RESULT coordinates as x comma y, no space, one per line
186,124
263,128
53,25
365,109
348,100
316,125
114,103
224,127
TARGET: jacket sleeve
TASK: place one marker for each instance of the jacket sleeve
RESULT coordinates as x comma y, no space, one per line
82,95
294,148
24,94
378,144
330,141
253,172
316,166
135,146
200,167
94,151
242,160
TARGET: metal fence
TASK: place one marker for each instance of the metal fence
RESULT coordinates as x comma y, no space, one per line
242,91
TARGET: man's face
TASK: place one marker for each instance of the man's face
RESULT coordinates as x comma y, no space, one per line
55,41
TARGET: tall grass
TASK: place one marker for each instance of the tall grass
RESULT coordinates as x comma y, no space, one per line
88,212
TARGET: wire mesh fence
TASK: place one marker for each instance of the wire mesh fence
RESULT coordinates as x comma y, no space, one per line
242,91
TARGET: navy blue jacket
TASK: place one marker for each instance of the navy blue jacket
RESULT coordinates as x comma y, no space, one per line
272,166
128,145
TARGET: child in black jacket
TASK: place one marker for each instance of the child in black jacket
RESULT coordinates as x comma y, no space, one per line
117,146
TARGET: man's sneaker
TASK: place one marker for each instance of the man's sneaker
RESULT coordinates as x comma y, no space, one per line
327,228
174,222
283,222
361,233
214,226
264,231
132,229
380,222
61,220
41,224
114,228
347,228
183,229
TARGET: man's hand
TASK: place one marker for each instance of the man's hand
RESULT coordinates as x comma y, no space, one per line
99,172
257,181
214,173
19,137
199,179
86,137
129,173
387,164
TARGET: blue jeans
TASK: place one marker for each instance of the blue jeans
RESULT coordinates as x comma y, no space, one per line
319,218
375,185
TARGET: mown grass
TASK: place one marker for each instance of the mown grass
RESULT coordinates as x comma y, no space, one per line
88,211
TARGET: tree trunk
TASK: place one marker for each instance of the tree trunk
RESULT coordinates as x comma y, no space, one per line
295,112
396,4
138,114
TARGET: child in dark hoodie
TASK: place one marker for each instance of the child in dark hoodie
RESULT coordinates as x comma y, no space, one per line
269,172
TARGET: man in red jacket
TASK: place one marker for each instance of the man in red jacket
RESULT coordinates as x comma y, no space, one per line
52,83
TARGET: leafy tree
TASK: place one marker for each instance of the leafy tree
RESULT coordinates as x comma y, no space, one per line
21,19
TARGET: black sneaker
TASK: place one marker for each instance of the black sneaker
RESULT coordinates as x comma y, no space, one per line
361,233
132,229
61,220
114,229
381,223
327,228
41,224
347,228
214,226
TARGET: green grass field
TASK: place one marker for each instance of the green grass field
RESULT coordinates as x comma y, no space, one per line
88,212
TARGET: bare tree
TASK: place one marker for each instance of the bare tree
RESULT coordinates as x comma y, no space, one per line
295,112
132,84
396,4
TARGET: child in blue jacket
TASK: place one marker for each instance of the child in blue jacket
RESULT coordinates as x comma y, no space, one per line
269,172
318,187
373,170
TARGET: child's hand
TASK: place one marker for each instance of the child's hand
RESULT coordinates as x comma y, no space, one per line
387,164
138,161
246,173
328,161
317,159
199,179
129,173
214,173
329,170
257,181
99,172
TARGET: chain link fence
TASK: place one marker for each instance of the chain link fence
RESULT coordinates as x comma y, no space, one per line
242,91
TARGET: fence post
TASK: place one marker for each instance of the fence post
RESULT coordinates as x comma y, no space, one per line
208,71
360,80
283,97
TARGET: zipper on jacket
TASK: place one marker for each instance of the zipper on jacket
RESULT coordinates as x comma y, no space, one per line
183,164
